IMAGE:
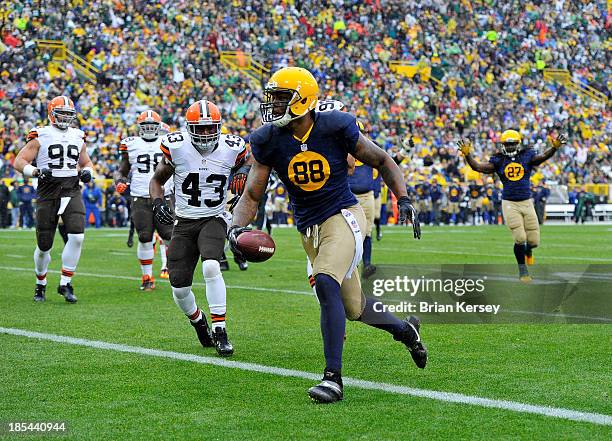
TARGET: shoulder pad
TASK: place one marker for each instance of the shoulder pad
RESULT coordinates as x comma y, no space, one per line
35,132
233,142
262,134
328,105
174,140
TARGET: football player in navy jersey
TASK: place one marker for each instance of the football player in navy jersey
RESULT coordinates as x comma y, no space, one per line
514,167
309,152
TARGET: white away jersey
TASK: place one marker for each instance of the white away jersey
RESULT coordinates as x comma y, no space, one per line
59,149
201,181
144,157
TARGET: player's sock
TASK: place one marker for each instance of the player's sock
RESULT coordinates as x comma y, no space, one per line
519,253
163,252
381,320
528,250
485,217
70,257
145,254
377,223
311,279
215,292
41,264
367,250
185,300
333,320
453,218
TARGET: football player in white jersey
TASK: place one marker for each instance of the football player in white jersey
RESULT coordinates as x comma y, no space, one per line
61,160
140,155
201,160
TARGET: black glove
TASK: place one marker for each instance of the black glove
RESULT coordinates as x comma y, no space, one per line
407,214
43,174
85,176
237,184
163,213
232,237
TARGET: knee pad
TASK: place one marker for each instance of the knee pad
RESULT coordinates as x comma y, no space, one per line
76,239
181,293
145,236
519,235
354,308
44,239
533,238
211,269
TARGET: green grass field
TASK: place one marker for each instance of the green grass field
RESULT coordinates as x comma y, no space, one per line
273,321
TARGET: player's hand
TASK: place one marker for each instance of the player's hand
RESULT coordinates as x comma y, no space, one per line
42,174
85,175
237,184
465,146
559,141
408,214
121,186
163,213
407,146
232,238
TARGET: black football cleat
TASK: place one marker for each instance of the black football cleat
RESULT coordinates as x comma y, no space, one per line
411,338
148,283
369,271
379,235
68,292
203,331
39,293
222,345
329,390
223,264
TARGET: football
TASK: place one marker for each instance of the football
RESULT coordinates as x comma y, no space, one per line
256,246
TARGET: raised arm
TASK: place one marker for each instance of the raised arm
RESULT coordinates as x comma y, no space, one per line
555,144
465,146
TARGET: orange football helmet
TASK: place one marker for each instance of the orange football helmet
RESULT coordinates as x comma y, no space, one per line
203,121
149,124
61,112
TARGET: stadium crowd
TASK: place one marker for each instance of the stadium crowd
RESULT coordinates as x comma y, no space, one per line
488,55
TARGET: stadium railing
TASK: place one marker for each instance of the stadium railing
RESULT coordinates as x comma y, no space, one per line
59,52
564,77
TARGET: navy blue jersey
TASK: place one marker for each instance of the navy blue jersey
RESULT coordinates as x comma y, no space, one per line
422,191
314,170
475,191
514,174
377,183
362,179
454,193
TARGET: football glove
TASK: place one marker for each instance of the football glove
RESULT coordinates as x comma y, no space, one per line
465,146
232,238
85,175
408,214
237,184
407,146
559,141
121,186
163,213
42,174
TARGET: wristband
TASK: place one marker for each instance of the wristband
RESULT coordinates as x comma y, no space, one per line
29,170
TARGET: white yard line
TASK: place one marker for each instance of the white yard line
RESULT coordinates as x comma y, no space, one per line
449,397
110,276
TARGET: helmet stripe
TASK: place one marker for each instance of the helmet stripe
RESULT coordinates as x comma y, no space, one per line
66,102
203,109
